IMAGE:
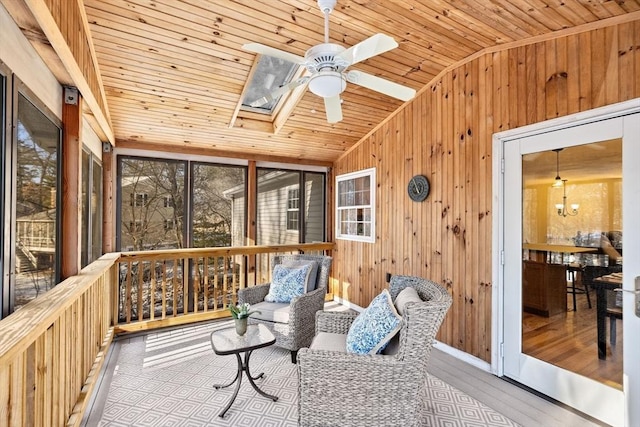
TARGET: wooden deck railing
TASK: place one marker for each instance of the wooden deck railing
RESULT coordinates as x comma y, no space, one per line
52,349
163,288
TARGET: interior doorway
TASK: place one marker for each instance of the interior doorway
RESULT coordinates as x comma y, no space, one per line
564,218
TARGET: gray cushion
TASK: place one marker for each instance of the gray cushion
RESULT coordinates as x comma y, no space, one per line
272,311
393,346
329,342
313,273
406,296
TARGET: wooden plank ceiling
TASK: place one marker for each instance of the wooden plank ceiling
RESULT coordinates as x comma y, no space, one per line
174,70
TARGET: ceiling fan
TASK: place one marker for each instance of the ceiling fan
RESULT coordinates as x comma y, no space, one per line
326,64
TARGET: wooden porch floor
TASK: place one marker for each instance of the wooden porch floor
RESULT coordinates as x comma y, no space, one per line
515,403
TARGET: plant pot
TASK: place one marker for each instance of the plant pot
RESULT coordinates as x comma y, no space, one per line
241,326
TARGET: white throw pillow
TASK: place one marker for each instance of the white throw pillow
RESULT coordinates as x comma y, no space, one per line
406,296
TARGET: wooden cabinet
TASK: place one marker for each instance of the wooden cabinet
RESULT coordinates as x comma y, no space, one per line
544,288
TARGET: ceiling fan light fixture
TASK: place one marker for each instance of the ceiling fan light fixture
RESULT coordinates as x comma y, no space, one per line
327,84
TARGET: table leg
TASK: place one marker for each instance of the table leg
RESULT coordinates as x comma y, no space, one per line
255,387
601,310
219,386
235,392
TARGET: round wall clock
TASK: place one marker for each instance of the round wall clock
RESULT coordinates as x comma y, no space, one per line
418,188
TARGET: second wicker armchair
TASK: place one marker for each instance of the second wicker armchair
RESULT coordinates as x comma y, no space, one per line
293,324
337,388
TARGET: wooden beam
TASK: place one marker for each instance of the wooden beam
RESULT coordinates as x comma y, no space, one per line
108,201
252,217
196,151
252,199
50,28
71,197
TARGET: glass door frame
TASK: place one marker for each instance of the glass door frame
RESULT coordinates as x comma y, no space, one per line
6,268
507,264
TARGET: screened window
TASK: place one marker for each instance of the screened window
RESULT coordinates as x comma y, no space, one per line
314,204
91,208
218,205
147,184
290,207
36,178
163,207
96,210
355,206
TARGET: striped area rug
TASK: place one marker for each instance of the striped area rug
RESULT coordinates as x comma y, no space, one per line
165,379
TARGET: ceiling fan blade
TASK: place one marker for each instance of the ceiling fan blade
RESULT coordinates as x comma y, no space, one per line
333,109
271,51
381,85
280,91
374,45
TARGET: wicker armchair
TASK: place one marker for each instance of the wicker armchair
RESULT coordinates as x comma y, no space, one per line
297,328
338,388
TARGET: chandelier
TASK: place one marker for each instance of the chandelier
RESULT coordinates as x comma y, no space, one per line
562,208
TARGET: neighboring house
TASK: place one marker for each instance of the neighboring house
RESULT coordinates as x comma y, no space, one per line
282,210
149,219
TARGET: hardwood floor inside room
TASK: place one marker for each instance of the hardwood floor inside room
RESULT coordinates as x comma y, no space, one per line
569,340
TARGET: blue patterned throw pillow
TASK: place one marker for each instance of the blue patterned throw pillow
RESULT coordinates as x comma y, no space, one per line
372,330
287,283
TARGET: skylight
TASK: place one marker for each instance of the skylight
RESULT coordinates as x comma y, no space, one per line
270,73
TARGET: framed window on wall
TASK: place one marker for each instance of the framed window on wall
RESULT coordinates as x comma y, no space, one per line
355,206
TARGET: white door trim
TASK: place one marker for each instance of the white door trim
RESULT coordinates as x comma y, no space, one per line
498,222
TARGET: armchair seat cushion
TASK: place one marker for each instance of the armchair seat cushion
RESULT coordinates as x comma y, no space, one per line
328,341
277,312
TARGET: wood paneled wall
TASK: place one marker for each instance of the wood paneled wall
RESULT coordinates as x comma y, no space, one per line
446,133
72,24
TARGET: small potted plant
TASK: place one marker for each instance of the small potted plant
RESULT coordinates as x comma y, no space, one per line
240,314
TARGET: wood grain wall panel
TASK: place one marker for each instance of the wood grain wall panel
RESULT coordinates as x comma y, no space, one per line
73,27
446,134
636,54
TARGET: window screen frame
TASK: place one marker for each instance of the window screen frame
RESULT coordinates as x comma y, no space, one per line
342,210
